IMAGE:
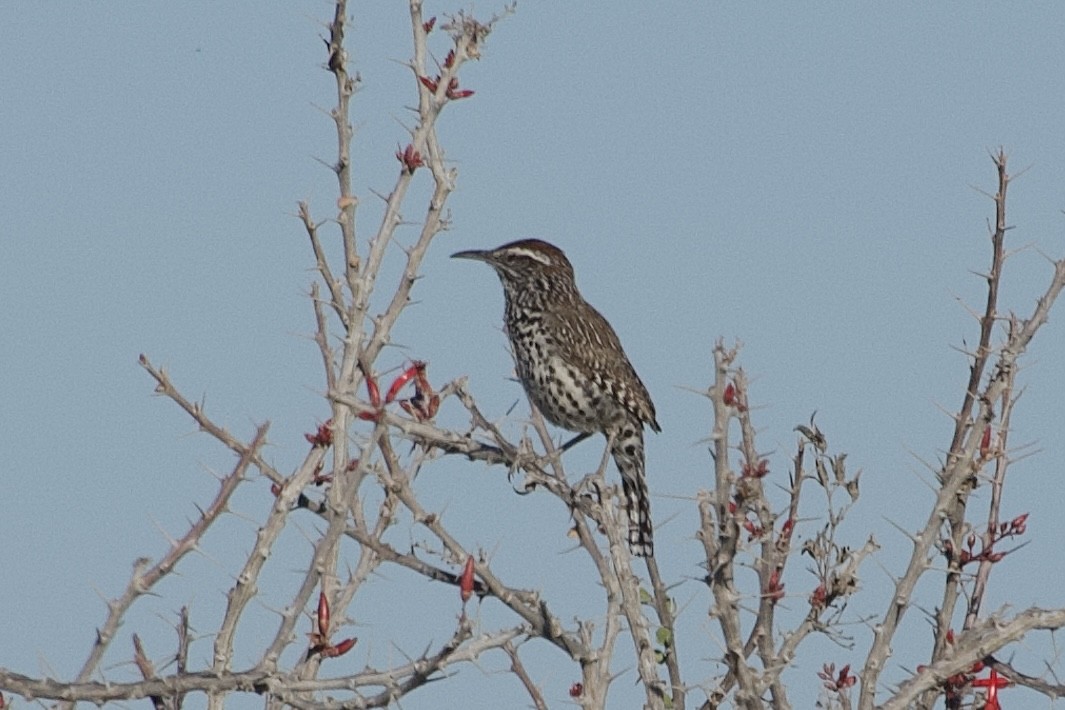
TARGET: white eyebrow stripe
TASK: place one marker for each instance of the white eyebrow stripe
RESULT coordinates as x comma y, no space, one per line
534,255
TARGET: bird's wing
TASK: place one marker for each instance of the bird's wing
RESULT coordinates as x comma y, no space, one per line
591,343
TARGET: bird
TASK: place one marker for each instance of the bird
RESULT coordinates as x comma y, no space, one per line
571,364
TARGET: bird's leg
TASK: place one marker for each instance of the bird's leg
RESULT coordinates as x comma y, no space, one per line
594,480
555,453
574,441
601,471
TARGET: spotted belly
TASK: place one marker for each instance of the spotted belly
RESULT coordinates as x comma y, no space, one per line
569,398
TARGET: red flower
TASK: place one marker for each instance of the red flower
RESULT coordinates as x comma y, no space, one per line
993,682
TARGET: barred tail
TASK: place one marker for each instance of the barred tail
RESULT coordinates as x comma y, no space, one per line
628,455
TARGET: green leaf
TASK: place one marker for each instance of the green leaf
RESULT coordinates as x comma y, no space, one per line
664,636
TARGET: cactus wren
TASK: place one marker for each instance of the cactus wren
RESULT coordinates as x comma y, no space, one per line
571,364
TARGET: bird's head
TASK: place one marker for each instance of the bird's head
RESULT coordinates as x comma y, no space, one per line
523,261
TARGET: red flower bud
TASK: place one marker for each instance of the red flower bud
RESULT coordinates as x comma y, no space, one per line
411,159
339,650
993,682
323,616
985,443
756,470
433,406
373,391
466,581
323,436
403,379
375,399
453,91
775,588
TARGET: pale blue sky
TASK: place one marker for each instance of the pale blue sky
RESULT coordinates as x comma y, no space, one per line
798,176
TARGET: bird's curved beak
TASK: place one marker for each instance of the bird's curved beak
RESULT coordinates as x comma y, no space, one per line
475,254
